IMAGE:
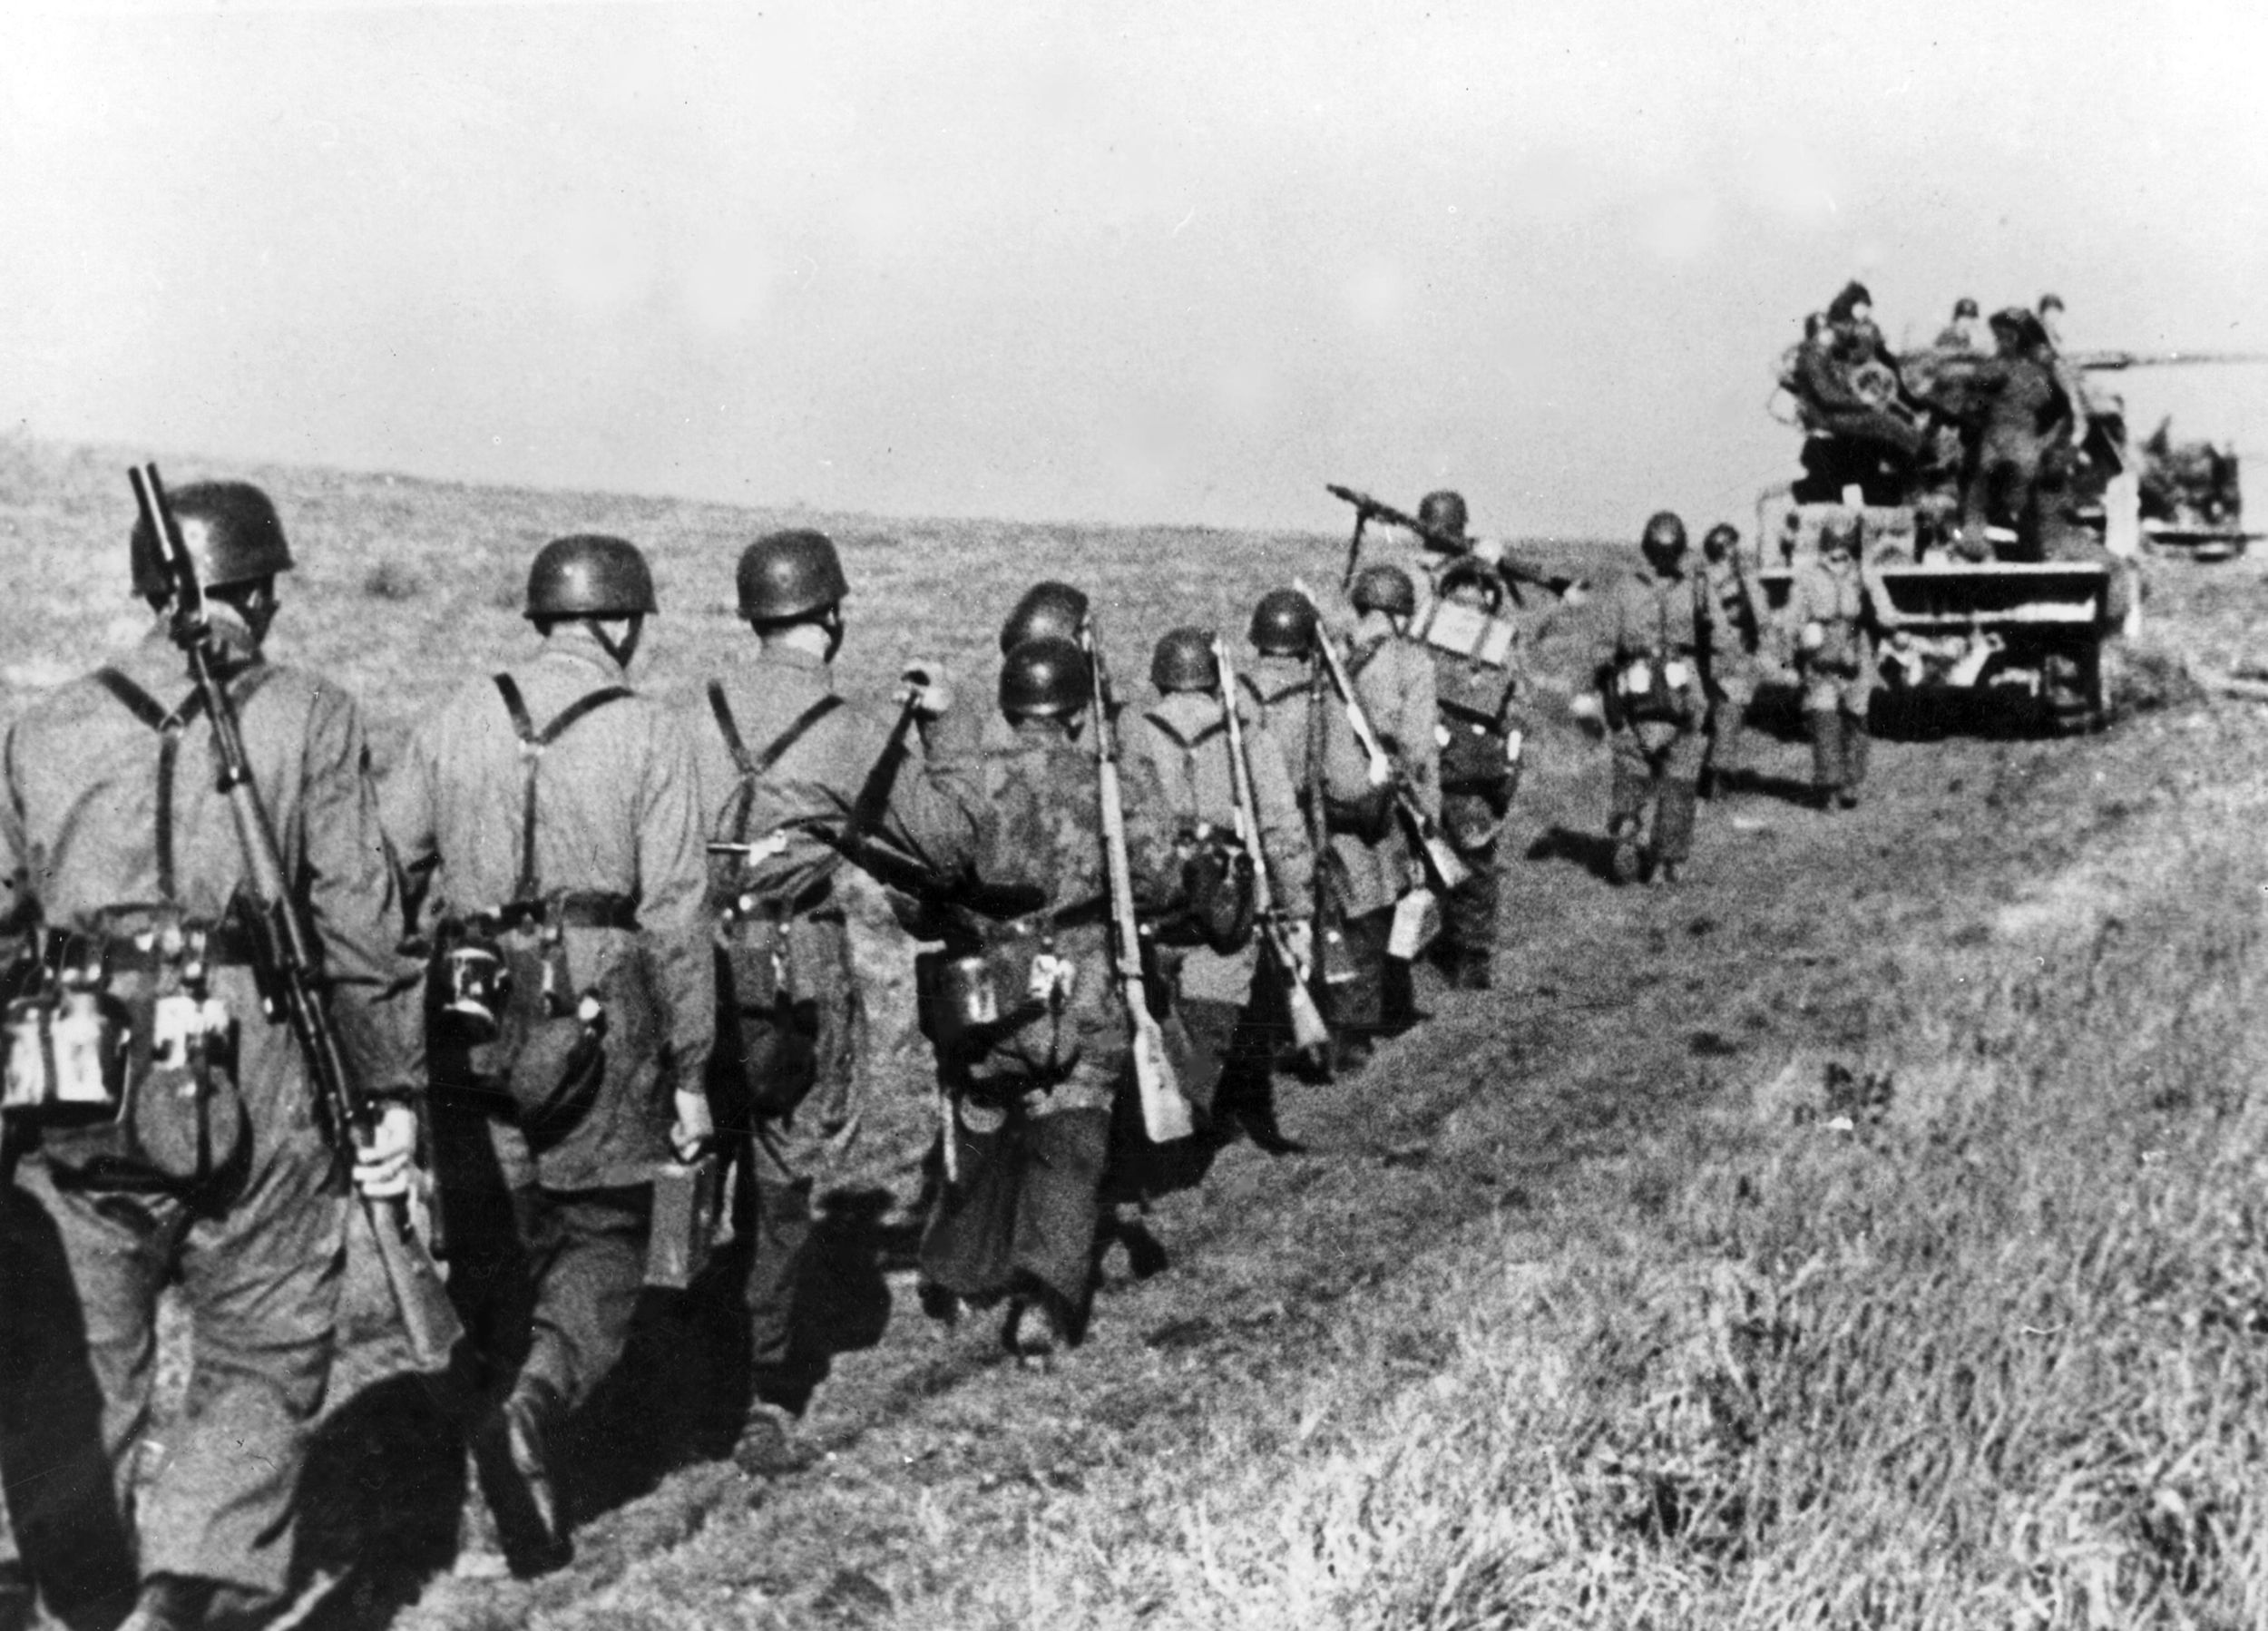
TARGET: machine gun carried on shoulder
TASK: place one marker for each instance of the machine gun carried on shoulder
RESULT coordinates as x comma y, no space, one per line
1513,571
1441,864
1165,1108
284,956
1310,1035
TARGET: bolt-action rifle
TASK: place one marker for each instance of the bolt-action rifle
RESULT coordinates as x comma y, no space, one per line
1165,1109
1514,571
1309,1033
1440,861
283,950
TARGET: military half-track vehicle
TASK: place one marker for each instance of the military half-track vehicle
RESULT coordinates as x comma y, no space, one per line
2022,609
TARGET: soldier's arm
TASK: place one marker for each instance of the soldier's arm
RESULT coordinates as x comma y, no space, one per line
1421,752
1150,835
406,816
352,898
673,890
1283,832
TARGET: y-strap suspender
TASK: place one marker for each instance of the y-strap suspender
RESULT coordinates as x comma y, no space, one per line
170,727
532,742
754,766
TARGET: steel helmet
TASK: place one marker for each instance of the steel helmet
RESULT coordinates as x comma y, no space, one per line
1665,534
1184,661
232,533
589,574
1444,512
1382,588
1282,624
1839,531
788,575
1720,540
1964,307
1044,679
1047,607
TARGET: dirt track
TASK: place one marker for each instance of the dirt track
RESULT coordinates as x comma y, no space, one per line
1617,1012
1617,1016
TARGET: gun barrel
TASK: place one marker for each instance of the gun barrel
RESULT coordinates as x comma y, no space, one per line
2111,361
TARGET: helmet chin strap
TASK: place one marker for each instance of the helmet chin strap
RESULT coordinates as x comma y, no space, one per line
833,624
622,651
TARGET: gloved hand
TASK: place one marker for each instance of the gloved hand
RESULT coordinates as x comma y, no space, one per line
693,1128
382,1159
930,688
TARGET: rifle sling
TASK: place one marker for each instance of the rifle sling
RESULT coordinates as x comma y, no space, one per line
171,727
532,744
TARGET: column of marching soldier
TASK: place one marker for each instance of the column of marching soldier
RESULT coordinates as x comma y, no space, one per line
582,935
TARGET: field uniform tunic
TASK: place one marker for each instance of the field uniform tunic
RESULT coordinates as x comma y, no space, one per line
548,1242
784,1074
258,1248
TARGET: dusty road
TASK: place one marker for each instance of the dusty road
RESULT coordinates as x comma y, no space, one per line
1617,1013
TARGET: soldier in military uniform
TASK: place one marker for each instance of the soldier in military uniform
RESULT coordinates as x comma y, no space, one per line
1372,864
1480,757
553,817
1735,657
787,766
1660,622
1050,607
1834,656
1218,992
1326,766
1033,1066
215,1180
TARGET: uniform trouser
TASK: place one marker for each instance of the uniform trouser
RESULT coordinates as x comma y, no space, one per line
1024,1207
260,1261
1473,822
1655,765
797,1078
1839,744
545,1280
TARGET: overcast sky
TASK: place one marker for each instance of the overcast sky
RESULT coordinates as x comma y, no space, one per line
1155,262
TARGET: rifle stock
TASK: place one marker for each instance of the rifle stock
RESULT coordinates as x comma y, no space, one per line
1165,1109
1447,871
283,950
1309,1033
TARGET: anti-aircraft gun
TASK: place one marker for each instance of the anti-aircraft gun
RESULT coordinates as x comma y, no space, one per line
2023,614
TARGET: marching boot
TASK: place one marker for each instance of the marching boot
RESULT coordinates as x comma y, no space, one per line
512,1454
1825,725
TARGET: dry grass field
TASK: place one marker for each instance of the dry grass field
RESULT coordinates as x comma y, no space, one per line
1868,1233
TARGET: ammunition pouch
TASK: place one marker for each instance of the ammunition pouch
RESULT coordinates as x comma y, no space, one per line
1837,653
125,1059
761,977
1653,691
518,1032
1480,757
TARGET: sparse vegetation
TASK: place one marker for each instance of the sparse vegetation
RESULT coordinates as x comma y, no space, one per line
1869,1236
